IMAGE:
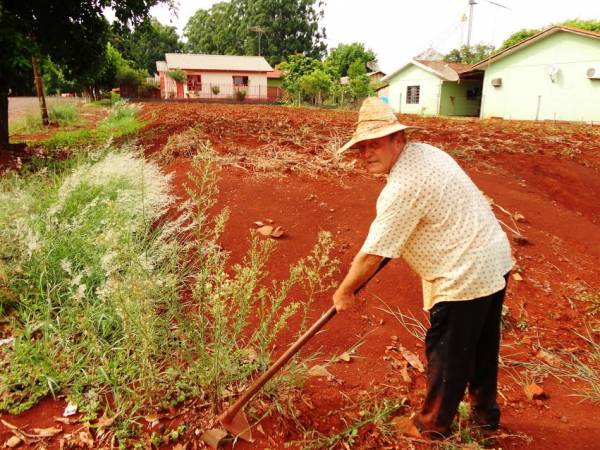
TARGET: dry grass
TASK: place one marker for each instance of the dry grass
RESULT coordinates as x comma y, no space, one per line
185,144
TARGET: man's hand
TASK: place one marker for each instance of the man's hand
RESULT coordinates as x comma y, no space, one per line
343,300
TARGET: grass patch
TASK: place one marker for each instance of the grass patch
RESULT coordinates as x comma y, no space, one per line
126,313
63,114
31,123
121,121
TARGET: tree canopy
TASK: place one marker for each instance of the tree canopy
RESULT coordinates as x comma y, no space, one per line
147,43
284,27
343,56
72,33
525,33
469,54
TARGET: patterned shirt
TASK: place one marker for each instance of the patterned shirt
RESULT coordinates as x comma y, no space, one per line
432,214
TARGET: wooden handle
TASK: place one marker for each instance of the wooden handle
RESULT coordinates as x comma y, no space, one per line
266,376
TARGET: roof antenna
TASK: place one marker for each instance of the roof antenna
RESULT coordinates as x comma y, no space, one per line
471,4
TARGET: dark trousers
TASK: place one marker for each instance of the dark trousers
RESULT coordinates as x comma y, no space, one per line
462,348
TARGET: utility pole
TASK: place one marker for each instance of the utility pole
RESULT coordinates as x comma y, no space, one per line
471,4
39,89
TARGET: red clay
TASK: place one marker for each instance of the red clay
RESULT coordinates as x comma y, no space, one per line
548,173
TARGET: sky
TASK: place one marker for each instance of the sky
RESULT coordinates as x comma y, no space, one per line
398,30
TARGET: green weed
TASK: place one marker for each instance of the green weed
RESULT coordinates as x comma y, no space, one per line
63,113
93,286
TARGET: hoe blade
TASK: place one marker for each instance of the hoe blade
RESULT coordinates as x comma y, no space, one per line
238,426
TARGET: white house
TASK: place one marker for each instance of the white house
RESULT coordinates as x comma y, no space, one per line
214,76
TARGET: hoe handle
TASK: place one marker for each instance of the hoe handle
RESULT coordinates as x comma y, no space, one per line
260,381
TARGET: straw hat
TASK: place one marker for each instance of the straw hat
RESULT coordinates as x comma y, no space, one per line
375,119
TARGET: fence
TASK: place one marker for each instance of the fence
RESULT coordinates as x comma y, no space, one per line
230,92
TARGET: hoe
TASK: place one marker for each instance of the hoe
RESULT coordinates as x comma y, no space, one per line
233,419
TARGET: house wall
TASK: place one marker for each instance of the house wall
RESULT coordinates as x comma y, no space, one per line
527,92
257,83
454,101
430,91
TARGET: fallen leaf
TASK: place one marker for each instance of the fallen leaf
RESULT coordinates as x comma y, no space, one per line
320,371
105,421
7,341
64,420
47,432
269,221
258,223
517,277
260,429
519,217
533,391
404,425
12,442
405,376
86,438
345,357
152,419
412,359
277,232
70,410
265,230
213,437
548,358
180,447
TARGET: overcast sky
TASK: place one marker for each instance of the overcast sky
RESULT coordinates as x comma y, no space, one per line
400,29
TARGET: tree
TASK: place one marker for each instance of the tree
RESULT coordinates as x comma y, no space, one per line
359,81
521,35
295,68
469,55
316,84
517,37
147,43
341,57
226,28
73,34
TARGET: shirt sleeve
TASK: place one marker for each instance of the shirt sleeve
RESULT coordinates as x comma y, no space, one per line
398,214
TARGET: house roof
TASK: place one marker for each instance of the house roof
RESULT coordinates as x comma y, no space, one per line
536,37
161,66
276,73
217,62
445,70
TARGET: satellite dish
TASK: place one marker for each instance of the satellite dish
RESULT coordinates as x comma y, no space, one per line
373,66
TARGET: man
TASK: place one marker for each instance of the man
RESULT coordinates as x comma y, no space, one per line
433,215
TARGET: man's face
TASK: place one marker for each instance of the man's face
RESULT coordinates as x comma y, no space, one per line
379,155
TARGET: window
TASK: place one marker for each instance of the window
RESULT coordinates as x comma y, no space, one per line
412,94
194,82
240,81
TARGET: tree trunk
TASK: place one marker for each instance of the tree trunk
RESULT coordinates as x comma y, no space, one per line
39,88
3,118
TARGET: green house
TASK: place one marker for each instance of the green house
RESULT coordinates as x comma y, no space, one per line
553,75
435,87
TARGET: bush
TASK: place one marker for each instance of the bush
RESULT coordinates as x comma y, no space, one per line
63,113
178,75
215,89
91,280
240,95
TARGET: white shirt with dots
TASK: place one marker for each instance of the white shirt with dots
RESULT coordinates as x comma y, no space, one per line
431,213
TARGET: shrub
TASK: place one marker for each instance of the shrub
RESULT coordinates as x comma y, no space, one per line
178,75
215,89
240,95
63,113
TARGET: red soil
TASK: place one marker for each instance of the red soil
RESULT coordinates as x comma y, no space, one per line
548,173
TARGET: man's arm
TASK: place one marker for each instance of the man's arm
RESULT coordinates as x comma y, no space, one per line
363,266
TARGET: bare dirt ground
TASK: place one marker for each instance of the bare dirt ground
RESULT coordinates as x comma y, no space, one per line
544,180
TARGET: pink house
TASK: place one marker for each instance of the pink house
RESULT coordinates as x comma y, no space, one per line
215,77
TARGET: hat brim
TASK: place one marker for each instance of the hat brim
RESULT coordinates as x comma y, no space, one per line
375,134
